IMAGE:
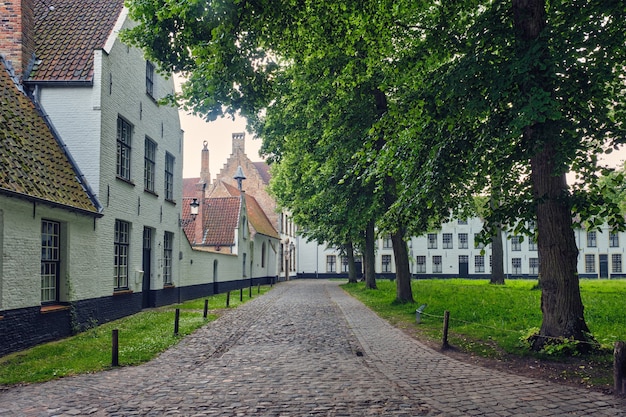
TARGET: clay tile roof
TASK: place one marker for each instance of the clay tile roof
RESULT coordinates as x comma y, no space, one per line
256,216
33,164
220,219
264,171
67,36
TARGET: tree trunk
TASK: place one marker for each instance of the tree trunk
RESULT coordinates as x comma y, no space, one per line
351,266
369,256
497,258
561,305
403,275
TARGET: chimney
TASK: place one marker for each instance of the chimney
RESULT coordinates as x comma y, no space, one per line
239,143
17,34
205,174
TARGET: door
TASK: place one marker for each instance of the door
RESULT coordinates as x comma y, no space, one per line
463,266
145,265
604,266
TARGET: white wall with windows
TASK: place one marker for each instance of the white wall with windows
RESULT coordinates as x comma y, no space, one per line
452,252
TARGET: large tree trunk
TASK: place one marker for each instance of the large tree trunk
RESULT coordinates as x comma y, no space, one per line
351,266
403,275
561,304
497,258
369,256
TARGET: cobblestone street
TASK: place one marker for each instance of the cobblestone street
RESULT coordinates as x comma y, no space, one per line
305,348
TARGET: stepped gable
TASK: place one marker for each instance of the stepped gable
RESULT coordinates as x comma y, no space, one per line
66,34
34,166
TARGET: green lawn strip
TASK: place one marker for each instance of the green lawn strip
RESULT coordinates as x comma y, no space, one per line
142,337
489,320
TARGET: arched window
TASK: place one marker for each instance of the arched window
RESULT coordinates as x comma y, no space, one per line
263,255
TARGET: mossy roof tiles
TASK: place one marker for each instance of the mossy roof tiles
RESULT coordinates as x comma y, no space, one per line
66,34
33,165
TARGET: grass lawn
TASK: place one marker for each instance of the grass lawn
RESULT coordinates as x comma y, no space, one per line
490,320
142,337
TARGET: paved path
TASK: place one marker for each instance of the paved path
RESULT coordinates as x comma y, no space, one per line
303,349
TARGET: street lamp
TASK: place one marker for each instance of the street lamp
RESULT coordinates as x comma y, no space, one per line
193,206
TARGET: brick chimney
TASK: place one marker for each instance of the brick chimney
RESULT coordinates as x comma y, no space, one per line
205,174
17,34
239,143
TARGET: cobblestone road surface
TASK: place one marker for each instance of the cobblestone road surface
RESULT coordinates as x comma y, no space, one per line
303,349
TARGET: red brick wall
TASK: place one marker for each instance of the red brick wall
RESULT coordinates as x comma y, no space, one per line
17,38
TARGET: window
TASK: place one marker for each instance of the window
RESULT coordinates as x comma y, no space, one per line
447,241
432,241
479,263
387,244
150,78
590,263
124,136
344,264
122,241
533,266
263,255
462,221
50,261
421,265
463,241
516,244
331,263
591,239
532,244
386,263
437,268
168,245
516,263
614,240
149,164
169,176
616,263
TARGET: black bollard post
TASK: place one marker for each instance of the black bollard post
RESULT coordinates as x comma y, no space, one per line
228,299
115,348
250,291
241,294
206,308
446,319
176,321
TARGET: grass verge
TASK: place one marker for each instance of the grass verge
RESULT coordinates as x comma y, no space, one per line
142,337
490,320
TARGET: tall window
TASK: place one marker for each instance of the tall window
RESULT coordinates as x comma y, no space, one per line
437,267
122,242
386,263
50,260
590,263
479,263
432,241
532,243
516,263
447,241
150,78
387,244
463,241
124,136
533,266
516,244
168,245
344,264
614,240
169,176
149,164
591,239
616,263
331,263
421,264
263,255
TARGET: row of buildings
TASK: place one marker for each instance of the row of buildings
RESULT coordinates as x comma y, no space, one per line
95,220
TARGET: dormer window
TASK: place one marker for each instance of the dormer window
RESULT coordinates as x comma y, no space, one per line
150,78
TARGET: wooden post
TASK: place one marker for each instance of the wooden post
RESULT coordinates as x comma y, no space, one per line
206,308
176,321
446,319
228,299
619,368
250,291
115,358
